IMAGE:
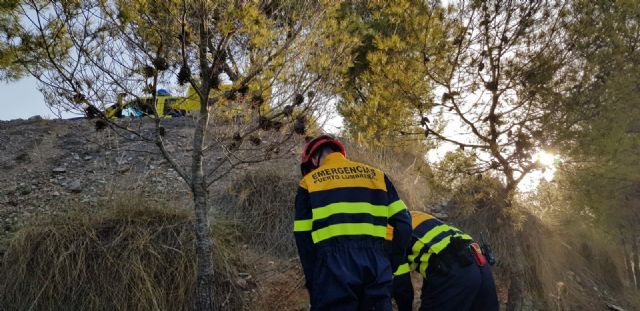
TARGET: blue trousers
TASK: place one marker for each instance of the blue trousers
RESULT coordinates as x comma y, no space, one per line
460,289
352,278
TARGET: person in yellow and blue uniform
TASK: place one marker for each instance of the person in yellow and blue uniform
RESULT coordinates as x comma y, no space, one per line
456,273
342,210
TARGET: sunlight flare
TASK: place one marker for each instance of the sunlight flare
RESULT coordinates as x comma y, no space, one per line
545,158
548,162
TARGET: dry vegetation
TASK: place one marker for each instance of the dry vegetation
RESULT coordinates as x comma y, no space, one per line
571,267
261,202
406,168
129,256
137,254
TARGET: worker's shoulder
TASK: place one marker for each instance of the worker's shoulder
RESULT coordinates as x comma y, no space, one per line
421,215
303,182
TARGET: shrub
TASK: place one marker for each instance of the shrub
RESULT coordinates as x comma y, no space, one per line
262,204
407,169
124,258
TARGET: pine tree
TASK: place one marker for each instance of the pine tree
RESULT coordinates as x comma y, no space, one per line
383,91
129,47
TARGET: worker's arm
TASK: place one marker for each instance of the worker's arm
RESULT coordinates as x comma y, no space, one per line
403,291
302,231
400,220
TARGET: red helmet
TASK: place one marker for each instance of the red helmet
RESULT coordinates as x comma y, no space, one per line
306,165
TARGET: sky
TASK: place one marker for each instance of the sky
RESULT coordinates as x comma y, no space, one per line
21,100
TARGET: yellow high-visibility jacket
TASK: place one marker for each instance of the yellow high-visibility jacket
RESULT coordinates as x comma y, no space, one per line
345,200
430,236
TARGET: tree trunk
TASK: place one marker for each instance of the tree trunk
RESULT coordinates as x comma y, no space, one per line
204,245
626,258
518,261
204,248
516,294
636,261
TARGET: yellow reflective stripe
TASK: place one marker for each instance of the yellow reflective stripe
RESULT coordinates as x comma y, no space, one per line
434,233
402,269
424,263
396,207
413,265
348,229
464,236
302,225
349,208
415,250
435,249
438,247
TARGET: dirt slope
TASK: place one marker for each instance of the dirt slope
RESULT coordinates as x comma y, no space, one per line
44,164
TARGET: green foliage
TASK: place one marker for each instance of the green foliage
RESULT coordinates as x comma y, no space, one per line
383,87
600,114
456,178
454,169
485,67
9,22
22,51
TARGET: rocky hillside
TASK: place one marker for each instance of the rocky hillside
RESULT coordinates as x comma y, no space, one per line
45,164
50,166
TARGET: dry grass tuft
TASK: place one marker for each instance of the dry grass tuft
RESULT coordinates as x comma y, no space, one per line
262,204
407,169
124,258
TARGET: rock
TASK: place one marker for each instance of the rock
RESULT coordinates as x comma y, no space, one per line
23,157
614,307
8,165
73,186
59,170
123,169
76,157
87,158
10,190
35,118
55,193
24,189
441,215
242,283
243,279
